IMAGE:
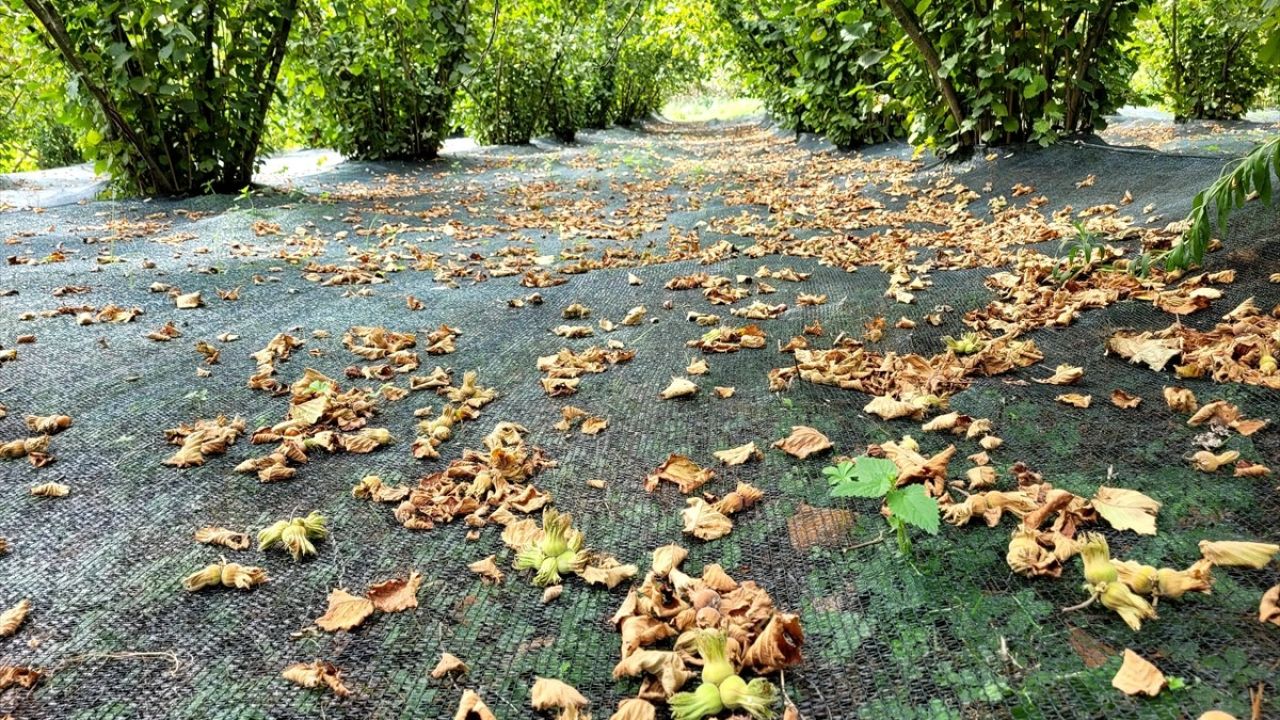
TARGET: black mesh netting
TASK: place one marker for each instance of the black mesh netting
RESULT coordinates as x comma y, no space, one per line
948,633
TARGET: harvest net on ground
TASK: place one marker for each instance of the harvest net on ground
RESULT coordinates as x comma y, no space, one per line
289,315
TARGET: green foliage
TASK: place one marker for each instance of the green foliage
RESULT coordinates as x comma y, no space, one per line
821,66
556,66
32,133
868,477
1213,205
1205,56
1018,71
170,95
375,79
533,77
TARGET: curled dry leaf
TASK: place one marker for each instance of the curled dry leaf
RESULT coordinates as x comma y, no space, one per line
396,594
1180,400
1234,553
488,570
634,316
724,392
1137,676
1075,400
51,490
778,645
890,408
1209,462
742,497
698,367
1063,375
679,387
1124,400
17,675
635,709
12,619
803,442
1244,468
1269,610
668,558
594,425
449,663
703,521
739,455
345,612
552,694
1126,509
682,471
317,673
222,536
48,424
471,707
188,301
1144,349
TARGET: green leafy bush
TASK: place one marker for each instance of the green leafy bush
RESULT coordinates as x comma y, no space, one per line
868,477
171,95
1204,56
953,74
32,132
822,66
377,78
532,78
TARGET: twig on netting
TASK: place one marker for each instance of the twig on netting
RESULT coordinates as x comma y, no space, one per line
1082,605
878,539
169,655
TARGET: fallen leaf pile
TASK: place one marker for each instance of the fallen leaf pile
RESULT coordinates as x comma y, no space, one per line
661,619
321,417
1243,350
483,485
565,369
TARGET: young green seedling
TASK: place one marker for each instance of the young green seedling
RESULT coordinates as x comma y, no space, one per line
868,477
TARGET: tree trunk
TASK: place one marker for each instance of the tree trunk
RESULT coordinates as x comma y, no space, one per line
1074,99
911,26
52,22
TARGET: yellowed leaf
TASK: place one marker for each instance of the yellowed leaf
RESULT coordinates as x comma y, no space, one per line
1075,400
1126,509
551,694
682,471
703,521
12,619
1124,400
739,455
345,612
803,442
449,663
488,570
1235,553
1137,676
317,673
1269,610
471,707
1063,375
594,425
679,387
396,594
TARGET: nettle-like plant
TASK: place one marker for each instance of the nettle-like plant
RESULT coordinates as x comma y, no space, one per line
173,94
868,477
